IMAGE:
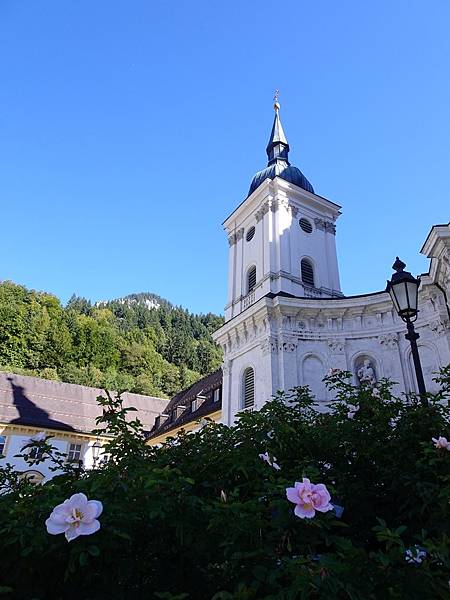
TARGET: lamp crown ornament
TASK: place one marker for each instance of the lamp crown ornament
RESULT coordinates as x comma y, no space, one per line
399,265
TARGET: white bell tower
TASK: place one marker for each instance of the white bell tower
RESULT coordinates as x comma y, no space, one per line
282,236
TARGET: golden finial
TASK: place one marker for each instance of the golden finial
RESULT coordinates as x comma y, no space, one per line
276,104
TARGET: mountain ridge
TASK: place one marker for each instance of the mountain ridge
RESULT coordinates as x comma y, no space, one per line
140,342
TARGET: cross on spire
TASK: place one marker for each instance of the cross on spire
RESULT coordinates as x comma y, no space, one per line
278,147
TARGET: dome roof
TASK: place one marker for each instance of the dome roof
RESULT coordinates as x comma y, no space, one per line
283,170
278,164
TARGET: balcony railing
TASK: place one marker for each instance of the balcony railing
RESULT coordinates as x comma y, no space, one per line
248,300
312,292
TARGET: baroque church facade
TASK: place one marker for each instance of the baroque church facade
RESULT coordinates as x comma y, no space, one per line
287,321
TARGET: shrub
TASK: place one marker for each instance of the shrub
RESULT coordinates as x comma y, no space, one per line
205,517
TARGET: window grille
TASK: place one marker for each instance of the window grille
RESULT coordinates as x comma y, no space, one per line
249,387
74,454
250,233
194,405
216,396
2,443
251,280
307,272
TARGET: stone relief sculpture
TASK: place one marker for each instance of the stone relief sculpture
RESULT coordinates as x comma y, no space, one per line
366,373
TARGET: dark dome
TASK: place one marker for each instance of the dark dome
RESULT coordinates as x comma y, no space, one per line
283,170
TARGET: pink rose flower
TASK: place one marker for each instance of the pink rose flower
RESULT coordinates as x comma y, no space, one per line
309,497
332,372
376,393
441,442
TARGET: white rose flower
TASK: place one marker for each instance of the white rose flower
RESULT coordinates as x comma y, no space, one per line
415,555
270,461
75,516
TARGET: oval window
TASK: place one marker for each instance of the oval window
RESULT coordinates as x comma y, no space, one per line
305,225
250,233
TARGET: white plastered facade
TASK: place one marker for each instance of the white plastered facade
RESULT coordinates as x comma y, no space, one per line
291,334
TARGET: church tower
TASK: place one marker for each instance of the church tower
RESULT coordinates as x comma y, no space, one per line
287,322
282,236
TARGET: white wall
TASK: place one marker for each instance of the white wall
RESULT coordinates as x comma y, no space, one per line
16,440
294,341
279,244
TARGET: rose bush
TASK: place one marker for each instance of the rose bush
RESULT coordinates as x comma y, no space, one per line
205,516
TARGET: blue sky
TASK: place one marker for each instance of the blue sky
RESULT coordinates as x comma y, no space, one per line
130,129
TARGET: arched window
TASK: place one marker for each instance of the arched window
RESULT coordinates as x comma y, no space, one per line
251,279
32,476
307,272
248,385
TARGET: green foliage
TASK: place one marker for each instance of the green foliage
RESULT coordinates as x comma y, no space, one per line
202,517
141,343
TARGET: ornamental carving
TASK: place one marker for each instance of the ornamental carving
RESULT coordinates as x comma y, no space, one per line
330,227
259,214
288,345
438,327
277,203
232,239
269,345
388,340
324,225
226,368
235,237
445,269
336,345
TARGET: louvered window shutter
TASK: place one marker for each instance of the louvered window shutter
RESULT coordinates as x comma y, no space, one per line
251,279
249,387
307,272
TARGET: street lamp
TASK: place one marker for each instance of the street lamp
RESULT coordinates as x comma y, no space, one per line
96,452
404,290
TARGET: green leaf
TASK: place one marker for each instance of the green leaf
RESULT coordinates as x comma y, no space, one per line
94,550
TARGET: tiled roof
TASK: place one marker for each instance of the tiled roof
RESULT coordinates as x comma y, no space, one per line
64,406
203,387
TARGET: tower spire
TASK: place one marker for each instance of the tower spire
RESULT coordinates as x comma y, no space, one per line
278,147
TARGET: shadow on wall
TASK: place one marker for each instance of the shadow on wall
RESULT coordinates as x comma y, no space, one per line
30,413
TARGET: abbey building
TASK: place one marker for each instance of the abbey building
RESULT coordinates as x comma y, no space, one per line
287,321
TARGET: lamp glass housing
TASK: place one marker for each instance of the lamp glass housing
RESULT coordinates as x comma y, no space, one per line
96,450
404,295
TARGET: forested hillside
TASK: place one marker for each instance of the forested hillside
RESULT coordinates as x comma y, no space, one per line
140,343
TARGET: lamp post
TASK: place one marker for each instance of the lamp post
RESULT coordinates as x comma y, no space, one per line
404,290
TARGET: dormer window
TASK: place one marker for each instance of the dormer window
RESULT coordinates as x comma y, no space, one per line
180,410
